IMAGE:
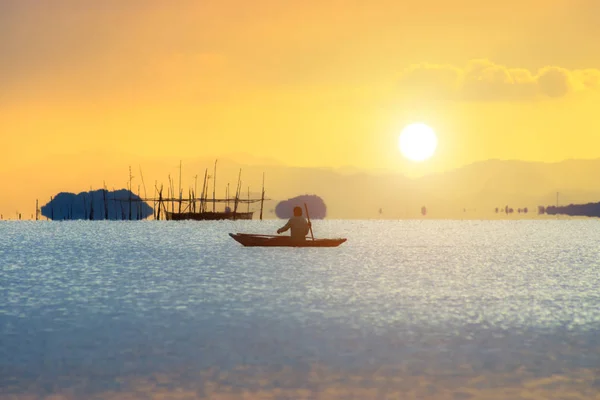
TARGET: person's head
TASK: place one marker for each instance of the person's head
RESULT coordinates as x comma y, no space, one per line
297,211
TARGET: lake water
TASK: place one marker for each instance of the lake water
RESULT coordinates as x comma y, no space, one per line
403,309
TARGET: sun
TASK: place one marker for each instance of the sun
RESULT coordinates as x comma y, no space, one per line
417,142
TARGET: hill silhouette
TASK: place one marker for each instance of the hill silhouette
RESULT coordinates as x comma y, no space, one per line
96,205
472,191
316,206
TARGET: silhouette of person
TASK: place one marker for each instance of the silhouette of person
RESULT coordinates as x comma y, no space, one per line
297,225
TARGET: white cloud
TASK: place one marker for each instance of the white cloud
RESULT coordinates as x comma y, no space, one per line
484,80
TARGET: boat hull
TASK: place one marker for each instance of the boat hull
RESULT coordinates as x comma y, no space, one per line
208,216
250,240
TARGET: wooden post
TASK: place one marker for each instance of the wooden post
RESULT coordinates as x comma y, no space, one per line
195,190
138,208
168,192
237,194
130,189
214,184
248,210
159,202
143,184
145,193
204,189
171,194
180,190
193,201
262,197
92,206
165,209
115,204
105,199
37,209
154,201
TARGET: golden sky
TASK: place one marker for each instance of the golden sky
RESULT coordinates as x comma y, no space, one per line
310,83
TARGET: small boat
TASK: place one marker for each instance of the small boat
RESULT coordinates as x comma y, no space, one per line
250,240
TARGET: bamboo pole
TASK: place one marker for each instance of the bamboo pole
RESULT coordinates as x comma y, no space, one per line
195,190
130,189
262,197
214,184
172,194
206,196
180,190
145,193
154,201
138,214
164,207
105,200
237,194
115,204
202,202
159,202
143,184
91,206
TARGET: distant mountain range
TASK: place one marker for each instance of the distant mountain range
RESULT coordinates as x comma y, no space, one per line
472,191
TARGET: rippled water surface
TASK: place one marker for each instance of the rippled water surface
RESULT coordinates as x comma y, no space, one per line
416,309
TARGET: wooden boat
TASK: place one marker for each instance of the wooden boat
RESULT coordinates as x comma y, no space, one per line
208,216
252,240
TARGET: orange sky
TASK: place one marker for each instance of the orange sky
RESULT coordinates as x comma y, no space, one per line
308,83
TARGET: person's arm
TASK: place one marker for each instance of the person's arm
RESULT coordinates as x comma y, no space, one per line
285,227
308,225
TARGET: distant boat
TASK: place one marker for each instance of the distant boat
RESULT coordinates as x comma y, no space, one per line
208,215
253,240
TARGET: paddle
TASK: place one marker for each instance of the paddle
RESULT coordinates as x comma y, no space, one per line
310,225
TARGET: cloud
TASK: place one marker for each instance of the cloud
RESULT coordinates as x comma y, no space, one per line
484,80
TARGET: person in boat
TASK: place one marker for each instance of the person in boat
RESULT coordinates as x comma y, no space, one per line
297,225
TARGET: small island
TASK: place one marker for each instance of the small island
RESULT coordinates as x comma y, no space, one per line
316,206
583,210
97,205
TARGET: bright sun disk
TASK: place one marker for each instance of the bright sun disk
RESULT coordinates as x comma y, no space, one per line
417,142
